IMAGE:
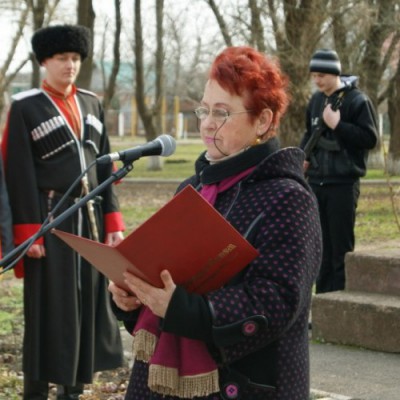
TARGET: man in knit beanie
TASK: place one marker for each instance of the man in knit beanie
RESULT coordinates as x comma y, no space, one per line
341,127
325,61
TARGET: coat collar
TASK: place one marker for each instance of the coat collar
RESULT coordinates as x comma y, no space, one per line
209,174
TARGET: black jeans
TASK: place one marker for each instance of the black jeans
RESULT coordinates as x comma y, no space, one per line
337,209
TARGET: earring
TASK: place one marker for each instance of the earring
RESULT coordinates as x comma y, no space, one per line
258,140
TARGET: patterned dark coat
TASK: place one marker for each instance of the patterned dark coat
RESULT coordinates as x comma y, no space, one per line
70,330
256,326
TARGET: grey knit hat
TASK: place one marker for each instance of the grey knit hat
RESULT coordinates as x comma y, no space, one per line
61,39
325,61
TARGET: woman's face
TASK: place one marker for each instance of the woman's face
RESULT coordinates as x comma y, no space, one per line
225,136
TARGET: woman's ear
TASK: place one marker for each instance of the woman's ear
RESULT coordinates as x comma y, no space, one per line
264,121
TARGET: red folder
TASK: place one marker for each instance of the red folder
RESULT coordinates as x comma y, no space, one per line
187,236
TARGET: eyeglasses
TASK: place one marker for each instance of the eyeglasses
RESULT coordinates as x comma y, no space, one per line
218,114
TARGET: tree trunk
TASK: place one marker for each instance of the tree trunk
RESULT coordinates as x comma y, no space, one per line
256,27
109,92
221,22
393,162
294,48
86,17
146,114
38,14
159,65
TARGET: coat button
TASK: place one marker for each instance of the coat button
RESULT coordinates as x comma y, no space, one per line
231,390
249,328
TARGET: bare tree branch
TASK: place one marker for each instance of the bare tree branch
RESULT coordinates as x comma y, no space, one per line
21,25
109,93
159,93
257,31
86,17
10,77
38,14
144,112
221,22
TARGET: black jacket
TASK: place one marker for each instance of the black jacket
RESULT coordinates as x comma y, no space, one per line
69,331
341,155
6,234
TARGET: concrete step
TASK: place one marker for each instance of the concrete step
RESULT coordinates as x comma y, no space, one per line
376,271
368,320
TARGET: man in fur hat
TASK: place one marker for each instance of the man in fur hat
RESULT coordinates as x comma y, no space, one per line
52,135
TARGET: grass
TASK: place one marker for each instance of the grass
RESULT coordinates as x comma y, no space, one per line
180,164
10,308
134,216
177,166
376,220
375,174
10,385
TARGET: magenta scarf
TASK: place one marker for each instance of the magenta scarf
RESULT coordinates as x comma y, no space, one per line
172,369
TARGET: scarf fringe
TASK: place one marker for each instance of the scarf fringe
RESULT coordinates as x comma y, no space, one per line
166,381
143,345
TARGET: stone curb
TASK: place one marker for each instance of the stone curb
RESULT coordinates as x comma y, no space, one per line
329,396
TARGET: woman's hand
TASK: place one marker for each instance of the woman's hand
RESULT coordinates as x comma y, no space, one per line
157,299
124,300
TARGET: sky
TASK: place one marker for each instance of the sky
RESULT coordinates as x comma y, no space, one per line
193,16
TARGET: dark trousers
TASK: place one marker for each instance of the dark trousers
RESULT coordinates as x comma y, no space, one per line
38,390
35,390
337,209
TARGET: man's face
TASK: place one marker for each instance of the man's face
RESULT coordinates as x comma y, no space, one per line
326,83
62,69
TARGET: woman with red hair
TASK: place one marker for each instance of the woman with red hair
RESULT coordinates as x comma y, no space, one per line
249,338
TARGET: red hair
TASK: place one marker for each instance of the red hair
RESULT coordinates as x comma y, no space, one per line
246,72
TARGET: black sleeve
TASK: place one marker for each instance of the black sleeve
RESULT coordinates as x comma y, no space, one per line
5,215
307,133
188,315
358,129
129,318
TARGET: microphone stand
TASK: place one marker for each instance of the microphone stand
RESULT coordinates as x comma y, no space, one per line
115,176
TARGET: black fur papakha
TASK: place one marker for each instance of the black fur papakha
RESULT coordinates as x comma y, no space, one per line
47,42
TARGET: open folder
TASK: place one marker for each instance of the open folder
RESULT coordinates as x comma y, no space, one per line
187,236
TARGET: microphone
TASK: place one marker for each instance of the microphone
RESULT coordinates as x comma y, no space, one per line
163,145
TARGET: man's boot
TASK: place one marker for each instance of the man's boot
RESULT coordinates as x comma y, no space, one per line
69,392
35,390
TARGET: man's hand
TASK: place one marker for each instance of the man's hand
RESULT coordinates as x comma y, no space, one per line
36,251
331,118
114,238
